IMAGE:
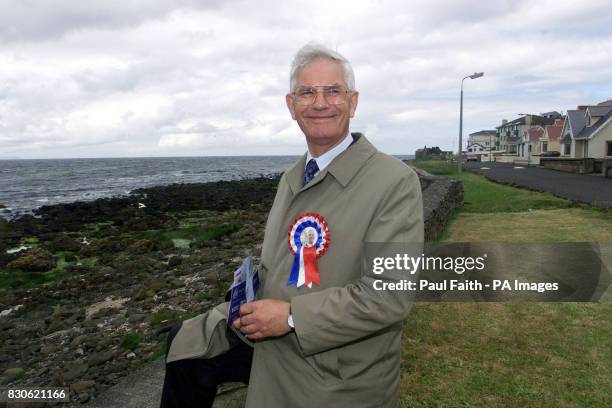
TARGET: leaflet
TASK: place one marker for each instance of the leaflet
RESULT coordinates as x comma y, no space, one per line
244,288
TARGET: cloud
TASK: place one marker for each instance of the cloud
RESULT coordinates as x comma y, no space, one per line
162,78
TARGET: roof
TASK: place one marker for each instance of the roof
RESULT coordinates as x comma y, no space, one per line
577,121
588,131
554,130
535,133
552,114
599,110
535,120
518,121
483,133
605,103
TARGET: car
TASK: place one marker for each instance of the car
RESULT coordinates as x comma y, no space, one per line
550,154
472,157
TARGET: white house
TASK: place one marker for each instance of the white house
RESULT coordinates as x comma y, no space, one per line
587,132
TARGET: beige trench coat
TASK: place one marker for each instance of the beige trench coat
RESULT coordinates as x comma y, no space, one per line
345,351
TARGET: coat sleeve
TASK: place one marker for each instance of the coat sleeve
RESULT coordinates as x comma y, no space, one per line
336,316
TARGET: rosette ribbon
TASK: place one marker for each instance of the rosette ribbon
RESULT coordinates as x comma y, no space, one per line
308,240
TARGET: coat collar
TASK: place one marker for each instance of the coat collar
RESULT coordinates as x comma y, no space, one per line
343,168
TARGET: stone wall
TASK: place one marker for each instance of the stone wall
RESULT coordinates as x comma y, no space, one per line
582,166
441,196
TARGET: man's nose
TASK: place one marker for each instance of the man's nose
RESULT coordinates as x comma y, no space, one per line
320,102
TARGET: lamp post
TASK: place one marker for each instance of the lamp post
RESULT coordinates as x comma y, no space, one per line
473,76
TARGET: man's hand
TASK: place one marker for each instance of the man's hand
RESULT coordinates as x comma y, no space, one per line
263,318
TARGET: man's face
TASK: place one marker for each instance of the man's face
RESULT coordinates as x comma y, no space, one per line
323,124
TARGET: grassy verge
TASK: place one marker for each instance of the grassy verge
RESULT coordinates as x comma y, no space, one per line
511,354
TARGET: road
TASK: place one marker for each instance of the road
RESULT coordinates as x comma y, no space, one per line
592,189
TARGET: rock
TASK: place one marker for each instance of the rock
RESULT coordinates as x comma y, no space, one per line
42,371
63,243
100,357
48,350
177,283
142,246
211,279
81,386
35,260
78,340
71,372
130,355
174,261
83,397
136,317
11,374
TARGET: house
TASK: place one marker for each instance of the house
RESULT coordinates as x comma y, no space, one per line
481,141
432,153
529,144
587,132
538,140
509,134
552,135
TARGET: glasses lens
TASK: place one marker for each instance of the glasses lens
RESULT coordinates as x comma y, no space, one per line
334,95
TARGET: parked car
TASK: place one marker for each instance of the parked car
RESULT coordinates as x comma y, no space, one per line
472,157
550,154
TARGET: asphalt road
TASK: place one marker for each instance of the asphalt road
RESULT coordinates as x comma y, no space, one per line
584,188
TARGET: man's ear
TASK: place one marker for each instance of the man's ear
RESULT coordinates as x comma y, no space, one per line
289,100
354,100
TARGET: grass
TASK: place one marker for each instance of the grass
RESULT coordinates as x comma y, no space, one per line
21,279
507,355
484,196
131,341
556,225
510,354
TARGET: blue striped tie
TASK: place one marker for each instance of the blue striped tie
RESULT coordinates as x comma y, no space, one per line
311,170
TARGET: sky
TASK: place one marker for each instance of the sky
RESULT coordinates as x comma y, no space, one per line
148,78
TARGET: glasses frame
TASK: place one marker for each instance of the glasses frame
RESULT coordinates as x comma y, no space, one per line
321,89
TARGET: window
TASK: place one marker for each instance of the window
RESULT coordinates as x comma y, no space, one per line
609,149
544,147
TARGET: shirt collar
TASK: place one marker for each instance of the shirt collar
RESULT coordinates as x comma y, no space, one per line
327,157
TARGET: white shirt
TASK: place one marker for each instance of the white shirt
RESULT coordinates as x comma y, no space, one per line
327,157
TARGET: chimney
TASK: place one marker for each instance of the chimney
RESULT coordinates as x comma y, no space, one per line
504,121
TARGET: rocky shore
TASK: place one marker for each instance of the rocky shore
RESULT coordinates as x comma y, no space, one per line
89,290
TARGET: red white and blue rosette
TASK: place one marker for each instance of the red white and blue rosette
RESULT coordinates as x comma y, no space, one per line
308,239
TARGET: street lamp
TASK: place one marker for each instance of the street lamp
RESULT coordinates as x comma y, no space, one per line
473,76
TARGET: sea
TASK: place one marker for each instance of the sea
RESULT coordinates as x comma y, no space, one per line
29,184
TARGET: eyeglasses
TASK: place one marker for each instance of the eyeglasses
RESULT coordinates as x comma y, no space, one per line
334,95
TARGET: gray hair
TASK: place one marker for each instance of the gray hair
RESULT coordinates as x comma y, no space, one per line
313,51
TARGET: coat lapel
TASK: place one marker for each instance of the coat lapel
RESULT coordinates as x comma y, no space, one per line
343,168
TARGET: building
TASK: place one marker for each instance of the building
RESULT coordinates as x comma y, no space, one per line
550,142
587,132
481,141
529,144
510,134
432,153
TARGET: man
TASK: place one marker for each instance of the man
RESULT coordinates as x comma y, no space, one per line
322,335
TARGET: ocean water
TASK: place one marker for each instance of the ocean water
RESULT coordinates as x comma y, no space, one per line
28,184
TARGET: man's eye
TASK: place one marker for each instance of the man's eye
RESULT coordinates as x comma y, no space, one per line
305,92
333,91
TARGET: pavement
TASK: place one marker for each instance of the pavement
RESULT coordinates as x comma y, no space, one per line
142,389
592,189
